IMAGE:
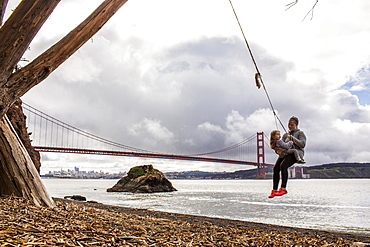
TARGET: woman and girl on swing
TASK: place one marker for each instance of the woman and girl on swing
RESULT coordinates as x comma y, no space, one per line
290,148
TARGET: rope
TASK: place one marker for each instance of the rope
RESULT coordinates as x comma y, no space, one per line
258,74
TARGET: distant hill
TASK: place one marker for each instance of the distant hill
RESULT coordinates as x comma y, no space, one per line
326,171
340,170
241,174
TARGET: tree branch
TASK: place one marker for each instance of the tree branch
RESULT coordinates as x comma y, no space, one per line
311,11
27,77
19,30
289,5
3,4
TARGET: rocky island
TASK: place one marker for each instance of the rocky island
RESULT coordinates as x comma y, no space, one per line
143,179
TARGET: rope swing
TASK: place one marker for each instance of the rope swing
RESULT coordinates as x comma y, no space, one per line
257,76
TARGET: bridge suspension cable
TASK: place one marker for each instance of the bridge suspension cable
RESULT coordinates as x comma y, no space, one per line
58,136
229,148
78,131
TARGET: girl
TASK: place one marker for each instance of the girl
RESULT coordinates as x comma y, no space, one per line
285,147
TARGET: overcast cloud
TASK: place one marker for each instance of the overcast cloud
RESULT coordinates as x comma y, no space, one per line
176,77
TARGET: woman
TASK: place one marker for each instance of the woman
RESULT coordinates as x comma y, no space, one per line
282,164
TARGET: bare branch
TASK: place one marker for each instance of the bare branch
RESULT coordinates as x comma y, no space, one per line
289,5
311,11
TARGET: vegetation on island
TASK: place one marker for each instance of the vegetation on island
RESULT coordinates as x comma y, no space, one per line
143,179
340,170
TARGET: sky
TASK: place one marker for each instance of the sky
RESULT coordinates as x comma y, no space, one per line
175,76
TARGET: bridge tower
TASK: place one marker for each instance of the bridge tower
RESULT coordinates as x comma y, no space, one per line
261,171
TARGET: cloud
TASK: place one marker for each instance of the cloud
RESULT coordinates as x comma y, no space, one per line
210,128
152,132
190,102
359,85
161,81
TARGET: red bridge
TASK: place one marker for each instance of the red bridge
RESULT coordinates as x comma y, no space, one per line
53,135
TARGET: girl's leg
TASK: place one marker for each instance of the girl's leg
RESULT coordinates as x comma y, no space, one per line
276,176
296,154
301,154
288,161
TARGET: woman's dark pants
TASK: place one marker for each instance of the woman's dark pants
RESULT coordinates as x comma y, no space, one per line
282,165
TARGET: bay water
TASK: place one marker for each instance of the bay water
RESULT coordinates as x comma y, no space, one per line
340,205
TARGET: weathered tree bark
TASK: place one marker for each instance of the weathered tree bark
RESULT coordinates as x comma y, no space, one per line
18,175
18,120
3,4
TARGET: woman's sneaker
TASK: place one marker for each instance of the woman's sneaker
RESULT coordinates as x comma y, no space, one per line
273,193
301,162
281,192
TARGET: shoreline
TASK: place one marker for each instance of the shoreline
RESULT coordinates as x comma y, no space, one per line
73,223
248,225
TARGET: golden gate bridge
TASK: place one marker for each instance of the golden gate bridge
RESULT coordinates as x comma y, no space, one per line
52,135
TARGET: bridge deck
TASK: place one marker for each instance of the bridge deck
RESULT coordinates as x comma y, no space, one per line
145,155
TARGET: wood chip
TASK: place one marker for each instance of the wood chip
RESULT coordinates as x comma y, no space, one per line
78,224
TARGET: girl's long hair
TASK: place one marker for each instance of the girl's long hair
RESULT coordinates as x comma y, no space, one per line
272,138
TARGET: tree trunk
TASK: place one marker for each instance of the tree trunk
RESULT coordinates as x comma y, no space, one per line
18,175
3,4
19,123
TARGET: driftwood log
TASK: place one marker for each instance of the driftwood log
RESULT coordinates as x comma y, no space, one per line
19,122
18,174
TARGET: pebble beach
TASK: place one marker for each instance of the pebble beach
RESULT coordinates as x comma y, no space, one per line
73,223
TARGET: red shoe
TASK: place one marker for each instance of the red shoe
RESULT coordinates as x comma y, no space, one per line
273,193
281,192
